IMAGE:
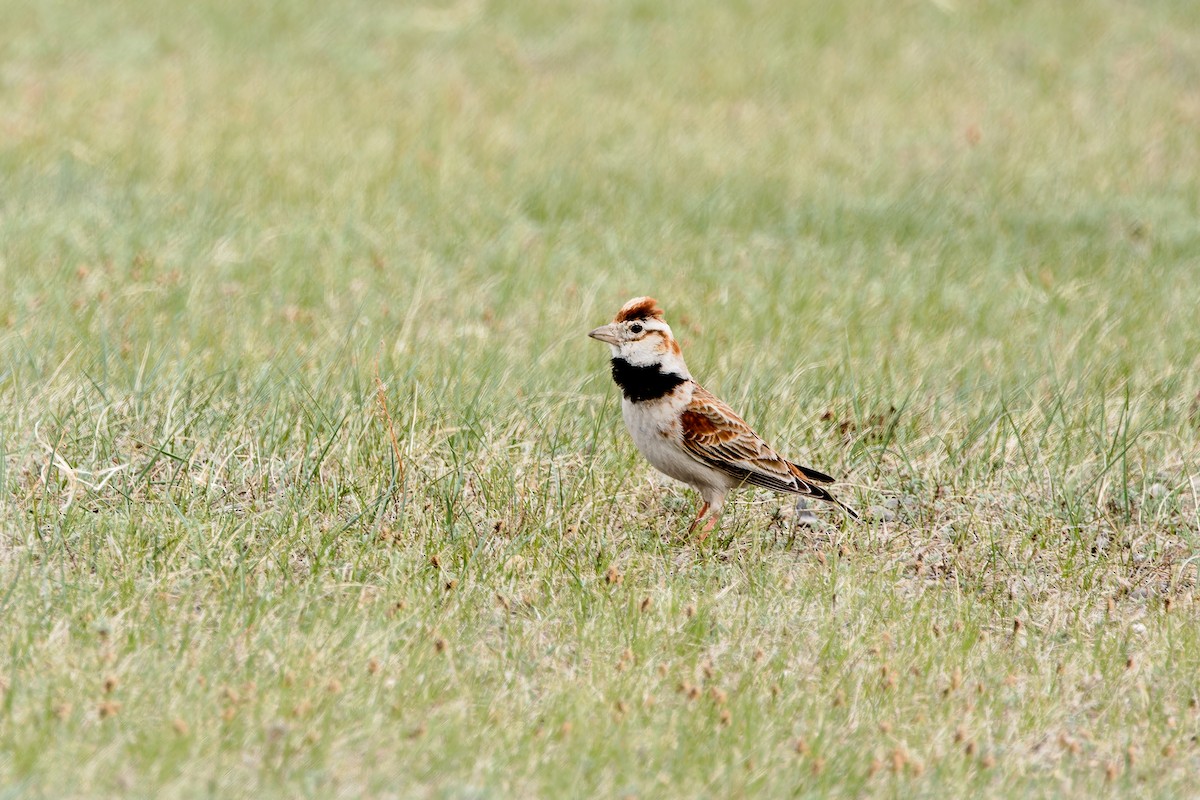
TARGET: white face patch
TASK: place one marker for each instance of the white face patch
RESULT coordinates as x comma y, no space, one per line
647,343
641,341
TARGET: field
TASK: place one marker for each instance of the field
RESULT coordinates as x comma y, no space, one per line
311,484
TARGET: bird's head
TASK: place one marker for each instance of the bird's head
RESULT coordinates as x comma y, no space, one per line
639,335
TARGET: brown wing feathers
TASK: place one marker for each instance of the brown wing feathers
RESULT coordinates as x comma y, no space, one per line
714,434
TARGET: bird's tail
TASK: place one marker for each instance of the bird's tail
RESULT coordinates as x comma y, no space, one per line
812,477
850,511
809,474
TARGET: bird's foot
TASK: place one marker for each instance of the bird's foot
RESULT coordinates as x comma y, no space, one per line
707,529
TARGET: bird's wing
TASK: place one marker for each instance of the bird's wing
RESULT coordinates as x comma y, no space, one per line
716,436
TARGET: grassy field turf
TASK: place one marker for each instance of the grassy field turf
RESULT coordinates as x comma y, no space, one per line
946,250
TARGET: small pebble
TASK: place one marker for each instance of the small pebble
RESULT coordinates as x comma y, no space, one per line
804,516
883,514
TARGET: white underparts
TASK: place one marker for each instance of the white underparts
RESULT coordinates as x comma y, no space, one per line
655,428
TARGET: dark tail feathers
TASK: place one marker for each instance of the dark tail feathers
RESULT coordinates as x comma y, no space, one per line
812,476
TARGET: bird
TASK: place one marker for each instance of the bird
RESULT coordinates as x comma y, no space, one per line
684,430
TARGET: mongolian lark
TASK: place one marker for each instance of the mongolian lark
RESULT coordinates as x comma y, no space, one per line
684,430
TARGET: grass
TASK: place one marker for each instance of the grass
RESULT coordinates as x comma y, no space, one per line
946,250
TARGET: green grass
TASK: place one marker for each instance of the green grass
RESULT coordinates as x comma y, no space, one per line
946,250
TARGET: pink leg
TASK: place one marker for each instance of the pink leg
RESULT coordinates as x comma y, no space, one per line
699,516
708,527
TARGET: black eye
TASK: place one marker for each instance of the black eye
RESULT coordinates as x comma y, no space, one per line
635,328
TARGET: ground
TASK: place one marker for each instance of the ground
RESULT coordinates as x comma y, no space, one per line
313,485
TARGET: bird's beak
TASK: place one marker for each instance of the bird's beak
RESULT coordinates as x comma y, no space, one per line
605,333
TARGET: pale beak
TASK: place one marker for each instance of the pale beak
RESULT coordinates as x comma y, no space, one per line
605,333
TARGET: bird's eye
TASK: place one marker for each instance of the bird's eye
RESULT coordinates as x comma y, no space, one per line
635,328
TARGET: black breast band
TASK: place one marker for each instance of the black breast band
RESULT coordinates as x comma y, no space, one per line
644,383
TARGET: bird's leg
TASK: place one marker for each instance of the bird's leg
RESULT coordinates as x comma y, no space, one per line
699,516
708,526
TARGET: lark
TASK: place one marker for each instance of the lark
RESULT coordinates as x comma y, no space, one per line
687,432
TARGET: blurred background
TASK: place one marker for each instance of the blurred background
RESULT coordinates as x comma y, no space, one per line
956,194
